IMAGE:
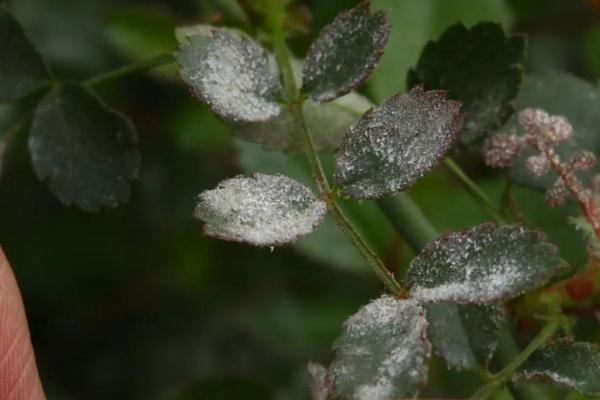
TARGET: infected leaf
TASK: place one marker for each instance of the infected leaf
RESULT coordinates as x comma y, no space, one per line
382,352
263,210
82,149
396,143
232,74
345,53
483,264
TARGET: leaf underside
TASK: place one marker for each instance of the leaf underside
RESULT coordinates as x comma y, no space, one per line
574,365
82,149
483,264
232,74
263,210
479,66
345,53
382,352
22,69
396,143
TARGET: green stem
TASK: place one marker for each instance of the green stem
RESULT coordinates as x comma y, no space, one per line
475,191
150,63
295,101
502,377
408,220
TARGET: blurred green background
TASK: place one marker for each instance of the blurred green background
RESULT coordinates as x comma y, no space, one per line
134,303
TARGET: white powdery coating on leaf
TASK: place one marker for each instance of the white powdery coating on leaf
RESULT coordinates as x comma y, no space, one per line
397,143
264,210
382,352
483,264
345,53
233,75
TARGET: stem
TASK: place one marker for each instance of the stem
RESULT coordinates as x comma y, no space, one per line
475,191
150,63
295,101
408,220
505,374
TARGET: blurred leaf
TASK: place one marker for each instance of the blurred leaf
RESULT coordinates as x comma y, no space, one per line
483,264
465,335
22,69
591,42
263,210
140,33
587,231
396,143
345,53
481,67
84,150
561,94
382,352
226,388
233,75
416,22
574,365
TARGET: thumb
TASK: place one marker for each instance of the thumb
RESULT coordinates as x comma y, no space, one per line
19,378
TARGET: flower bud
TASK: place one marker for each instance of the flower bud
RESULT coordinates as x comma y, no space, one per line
537,165
582,159
533,119
559,130
501,150
557,194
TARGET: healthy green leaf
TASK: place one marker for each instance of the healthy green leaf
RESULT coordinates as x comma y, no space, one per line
465,335
82,149
481,67
483,264
232,74
327,122
574,365
345,53
396,143
560,93
22,69
263,210
382,352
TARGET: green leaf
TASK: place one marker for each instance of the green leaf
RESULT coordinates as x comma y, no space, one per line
263,210
345,53
382,352
481,67
416,22
22,69
586,229
396,143
560,93
232,74
483,264
465,335
327,122
574,365
82,149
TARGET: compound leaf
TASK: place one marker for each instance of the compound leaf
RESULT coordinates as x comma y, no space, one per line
396,143
22,69
263,210
479,66
82,149
345,53
382,352
575,365
232,74
465,335
483,264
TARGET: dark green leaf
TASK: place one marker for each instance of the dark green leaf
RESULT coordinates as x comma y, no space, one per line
382,352
263,210
483,264
22,69
561,94
481,67
83,150
232,74
575,365
396,143
345,53
465,335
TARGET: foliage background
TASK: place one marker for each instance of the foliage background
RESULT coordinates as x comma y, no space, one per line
135,303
